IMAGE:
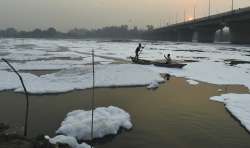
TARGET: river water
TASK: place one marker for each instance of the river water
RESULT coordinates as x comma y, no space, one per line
176,115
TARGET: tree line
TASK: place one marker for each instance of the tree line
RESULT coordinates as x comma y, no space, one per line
122,31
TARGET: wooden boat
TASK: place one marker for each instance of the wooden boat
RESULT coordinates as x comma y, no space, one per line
156,63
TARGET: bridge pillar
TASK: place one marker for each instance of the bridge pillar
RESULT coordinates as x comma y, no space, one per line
163,35
171,35
153,35
240,32
206,35
185,35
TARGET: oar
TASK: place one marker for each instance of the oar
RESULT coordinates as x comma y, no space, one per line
141,50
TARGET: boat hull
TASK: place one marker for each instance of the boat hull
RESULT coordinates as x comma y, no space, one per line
159,64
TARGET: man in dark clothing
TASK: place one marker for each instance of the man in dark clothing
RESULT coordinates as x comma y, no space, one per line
168,59
137,51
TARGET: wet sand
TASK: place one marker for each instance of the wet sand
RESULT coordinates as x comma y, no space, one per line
176,115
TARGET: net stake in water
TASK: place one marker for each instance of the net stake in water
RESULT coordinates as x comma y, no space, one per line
93,98
26,94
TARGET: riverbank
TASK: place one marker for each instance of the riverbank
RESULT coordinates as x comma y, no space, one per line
11,140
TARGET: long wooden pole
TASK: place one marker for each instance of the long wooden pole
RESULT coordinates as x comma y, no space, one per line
26,94
93,98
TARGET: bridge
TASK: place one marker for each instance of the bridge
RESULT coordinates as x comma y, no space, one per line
238,22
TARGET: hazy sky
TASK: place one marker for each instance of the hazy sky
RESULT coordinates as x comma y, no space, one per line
67,14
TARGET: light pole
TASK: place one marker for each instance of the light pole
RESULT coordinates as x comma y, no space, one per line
184,15
194,12
176,18
232,5
209,8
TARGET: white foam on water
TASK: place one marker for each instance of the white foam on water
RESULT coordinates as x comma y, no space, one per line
238,105
107,120
70,141
81,78
153,85
192,82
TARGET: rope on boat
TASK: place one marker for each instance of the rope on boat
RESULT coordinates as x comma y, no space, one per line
26,94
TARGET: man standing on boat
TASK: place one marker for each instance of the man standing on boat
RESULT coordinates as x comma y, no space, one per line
138,50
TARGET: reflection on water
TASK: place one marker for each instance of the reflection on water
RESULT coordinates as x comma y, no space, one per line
176,115
39,72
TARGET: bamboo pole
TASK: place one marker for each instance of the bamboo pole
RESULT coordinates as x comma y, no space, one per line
26,94
93,98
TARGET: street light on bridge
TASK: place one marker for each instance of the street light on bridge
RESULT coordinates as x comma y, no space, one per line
184,15
176,18
209,8
232,5
194,12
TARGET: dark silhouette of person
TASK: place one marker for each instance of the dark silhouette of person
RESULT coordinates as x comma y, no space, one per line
168,59
137,51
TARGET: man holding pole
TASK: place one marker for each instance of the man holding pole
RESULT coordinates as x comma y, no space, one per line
138,50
